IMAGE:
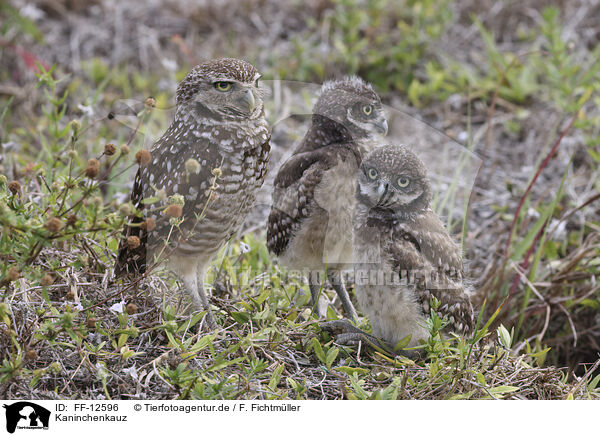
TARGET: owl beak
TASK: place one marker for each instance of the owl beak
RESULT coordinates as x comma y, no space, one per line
382,190
382,126
248,101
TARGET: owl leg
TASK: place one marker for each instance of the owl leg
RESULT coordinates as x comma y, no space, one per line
347,334
317,301
200,299
335,278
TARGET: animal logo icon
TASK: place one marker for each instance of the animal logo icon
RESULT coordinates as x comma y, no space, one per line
26,415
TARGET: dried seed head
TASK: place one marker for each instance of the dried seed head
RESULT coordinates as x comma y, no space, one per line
98,201
71,220
13,274
131,308
47,280
93,168
125,149
217,172
174,211
110,149
14,187
149,224
143,157
192,166
31,355
125,209
53,225
133,242
213,196
177,199
75,125
91,323
70,295
150,102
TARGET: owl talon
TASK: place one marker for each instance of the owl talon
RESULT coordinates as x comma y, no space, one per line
339,326
351,339
347,334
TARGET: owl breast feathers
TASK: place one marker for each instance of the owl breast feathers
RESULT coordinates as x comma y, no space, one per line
297,195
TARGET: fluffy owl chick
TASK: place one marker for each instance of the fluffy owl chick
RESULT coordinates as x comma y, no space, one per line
403,254
310,224
206,167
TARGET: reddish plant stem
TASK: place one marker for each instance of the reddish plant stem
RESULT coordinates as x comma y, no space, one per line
525,262
535,177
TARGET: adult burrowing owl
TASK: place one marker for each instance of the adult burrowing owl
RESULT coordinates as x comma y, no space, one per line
310,224
403,254
214,156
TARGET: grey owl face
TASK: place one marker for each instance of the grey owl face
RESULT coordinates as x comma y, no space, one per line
222,89
393,178
353,103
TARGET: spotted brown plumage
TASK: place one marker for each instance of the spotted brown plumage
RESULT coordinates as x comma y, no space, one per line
310,223
210,162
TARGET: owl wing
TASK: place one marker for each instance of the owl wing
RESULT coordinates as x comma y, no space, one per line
423,246
294,190
167,171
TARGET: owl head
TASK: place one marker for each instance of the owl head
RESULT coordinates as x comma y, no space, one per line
392,178
352,103
221,89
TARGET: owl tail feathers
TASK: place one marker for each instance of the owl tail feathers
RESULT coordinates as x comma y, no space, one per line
131,257
128,263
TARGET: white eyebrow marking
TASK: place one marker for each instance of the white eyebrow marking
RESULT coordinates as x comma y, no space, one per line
224,79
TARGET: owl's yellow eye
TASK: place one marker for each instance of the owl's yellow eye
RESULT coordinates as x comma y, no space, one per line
403,182
367,109
223,86
372,173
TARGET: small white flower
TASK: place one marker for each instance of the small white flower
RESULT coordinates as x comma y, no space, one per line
118,307
32,12
86,110
132,372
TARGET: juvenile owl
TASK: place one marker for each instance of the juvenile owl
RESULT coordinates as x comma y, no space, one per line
206,169
310,224
403,254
